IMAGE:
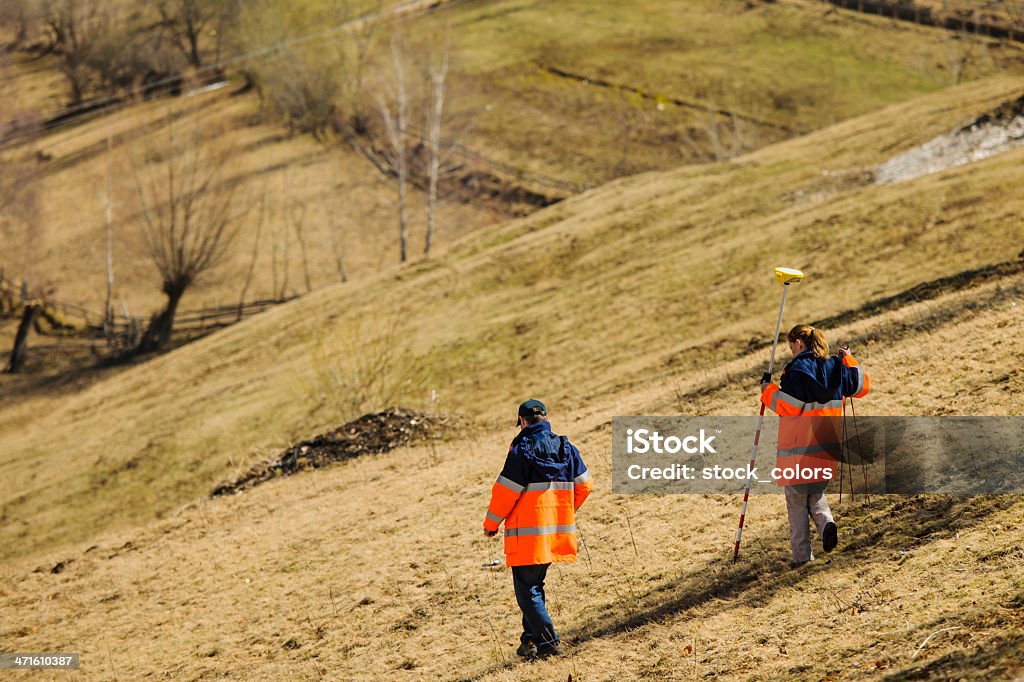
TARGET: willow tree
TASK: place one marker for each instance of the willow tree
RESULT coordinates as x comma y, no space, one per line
22,242
187,217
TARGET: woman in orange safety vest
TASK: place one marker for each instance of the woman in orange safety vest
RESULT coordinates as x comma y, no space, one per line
809,401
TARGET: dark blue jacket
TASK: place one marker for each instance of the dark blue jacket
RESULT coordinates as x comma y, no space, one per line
813,380
537,455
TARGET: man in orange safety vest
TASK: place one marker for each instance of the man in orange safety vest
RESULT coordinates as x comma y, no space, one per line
542,485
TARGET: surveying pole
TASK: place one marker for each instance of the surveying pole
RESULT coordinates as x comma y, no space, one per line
786,276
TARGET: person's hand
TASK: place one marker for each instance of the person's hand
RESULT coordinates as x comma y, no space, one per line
844,351
490,533
764,386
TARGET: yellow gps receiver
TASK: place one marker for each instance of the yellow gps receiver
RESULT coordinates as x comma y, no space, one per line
788,275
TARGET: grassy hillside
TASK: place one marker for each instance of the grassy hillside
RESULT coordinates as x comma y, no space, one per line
660,87
619,88
648,295
661,274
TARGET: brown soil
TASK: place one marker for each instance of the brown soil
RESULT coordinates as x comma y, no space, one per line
371,434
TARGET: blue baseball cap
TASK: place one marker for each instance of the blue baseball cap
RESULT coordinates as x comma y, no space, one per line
532,408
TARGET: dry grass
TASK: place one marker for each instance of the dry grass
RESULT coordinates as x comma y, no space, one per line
293,581
638,297
618,279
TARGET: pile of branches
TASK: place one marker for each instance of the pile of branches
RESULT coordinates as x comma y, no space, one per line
371,434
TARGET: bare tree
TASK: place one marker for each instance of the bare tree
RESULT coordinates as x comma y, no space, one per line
279,261
713,133
297,218
126,57
17,18
16,179
338,248
74,27
438,75
21,219
187,218
355,55
299,81
393,103
255,252
20,350
187,21
108,316
21,230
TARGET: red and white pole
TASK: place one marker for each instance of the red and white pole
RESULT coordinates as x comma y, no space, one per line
787,277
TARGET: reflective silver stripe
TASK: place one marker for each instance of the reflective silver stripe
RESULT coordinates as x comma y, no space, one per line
549,485
786,398
824,447
585,476
860,380
494,517
539,530
802,406
510,484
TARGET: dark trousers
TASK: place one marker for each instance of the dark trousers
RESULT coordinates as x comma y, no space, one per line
529,585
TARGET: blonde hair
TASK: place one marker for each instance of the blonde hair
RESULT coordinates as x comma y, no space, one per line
813,339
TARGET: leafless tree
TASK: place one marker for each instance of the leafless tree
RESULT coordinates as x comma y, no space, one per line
108,317
959,53
297,219
24,220
393,103
188,218
21,230
280,260
188,21
630,113
438,75
338,247
713,132
74,27
299,80
16,178
355,56
126,58
17,17
255,251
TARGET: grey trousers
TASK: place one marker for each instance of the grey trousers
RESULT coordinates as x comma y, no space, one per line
803,502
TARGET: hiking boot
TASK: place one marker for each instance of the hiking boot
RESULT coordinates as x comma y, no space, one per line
551,651
527,650
829,537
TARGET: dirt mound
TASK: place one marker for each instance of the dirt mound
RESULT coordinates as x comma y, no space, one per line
371,434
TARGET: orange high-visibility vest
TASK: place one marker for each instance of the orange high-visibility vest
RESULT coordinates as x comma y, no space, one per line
543,483
809,432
